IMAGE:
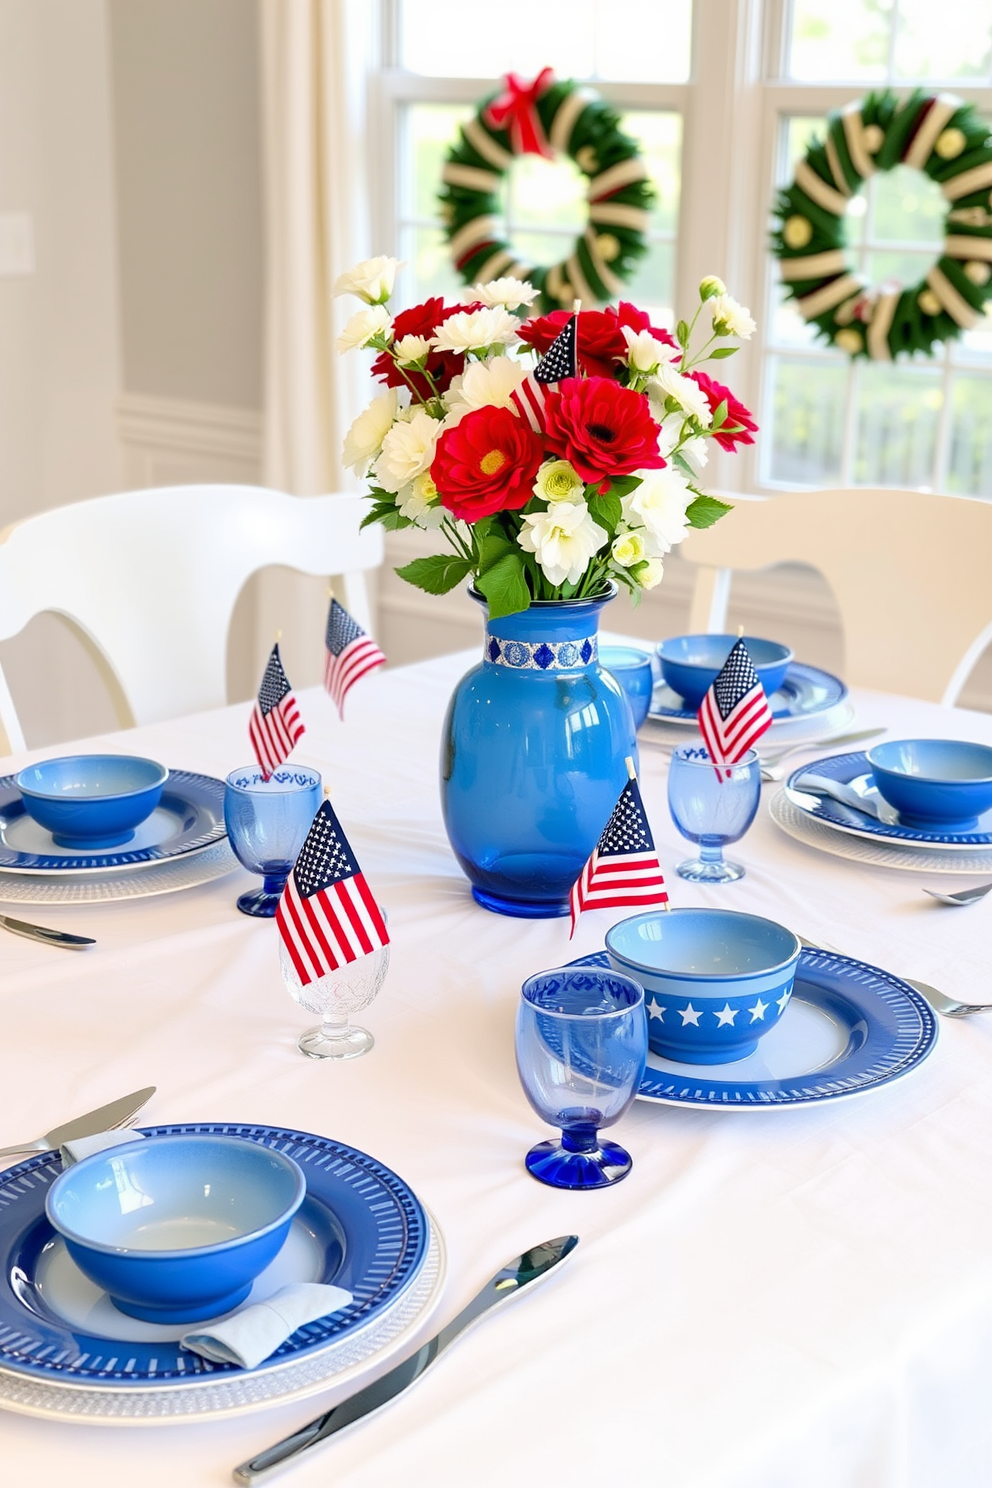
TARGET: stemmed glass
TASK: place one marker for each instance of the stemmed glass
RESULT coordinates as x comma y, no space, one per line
581,1042
712,805
267,823
335,996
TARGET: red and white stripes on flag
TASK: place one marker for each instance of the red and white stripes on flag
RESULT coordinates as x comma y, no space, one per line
559,361
623,868
275,725
327,916
734,713
529,400
350,653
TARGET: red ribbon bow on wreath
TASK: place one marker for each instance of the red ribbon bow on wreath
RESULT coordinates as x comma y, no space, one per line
516,111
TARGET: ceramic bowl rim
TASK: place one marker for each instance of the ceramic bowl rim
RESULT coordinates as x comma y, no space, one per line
788,657
702,977
586,970
968,780
248,790
193,1252
62,799
624,666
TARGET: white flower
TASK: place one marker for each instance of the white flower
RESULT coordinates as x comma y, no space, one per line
363,440
731,319
407,451
484,384
420,503
628,548
710,286
644,353
564,539
411,349
650,573
688,394
372,281
696,452
472,330
363,326
659,504
509,292
557,480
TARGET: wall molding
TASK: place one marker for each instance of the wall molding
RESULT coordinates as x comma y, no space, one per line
144,419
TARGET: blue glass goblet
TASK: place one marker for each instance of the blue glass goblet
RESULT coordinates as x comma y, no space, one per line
582,1040
632,669
267,823
712,805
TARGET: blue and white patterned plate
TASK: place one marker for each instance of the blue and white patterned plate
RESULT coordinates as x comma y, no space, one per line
848,1028
806,692
854,770
189,818
360,1226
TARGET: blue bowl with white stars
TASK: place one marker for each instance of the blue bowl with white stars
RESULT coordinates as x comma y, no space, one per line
714,980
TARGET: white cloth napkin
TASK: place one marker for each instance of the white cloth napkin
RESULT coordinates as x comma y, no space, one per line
251,1335
73,1152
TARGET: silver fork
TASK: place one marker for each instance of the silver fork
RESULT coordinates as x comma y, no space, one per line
771,765
939,1001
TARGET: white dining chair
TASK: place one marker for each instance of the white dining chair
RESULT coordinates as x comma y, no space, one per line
149,579
911,573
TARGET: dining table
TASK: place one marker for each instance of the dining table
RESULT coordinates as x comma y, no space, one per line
795,1297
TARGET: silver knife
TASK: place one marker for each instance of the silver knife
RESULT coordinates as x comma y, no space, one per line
105,1118
514,1276
42,933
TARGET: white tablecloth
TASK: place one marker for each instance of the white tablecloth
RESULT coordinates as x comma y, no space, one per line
772,1299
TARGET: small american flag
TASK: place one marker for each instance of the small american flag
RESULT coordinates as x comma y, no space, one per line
559,361
351,652
327,915
623,867
275,725
734,713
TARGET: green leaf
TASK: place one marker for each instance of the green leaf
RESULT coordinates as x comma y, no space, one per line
706,510
389,514
607,511
437,574
721,352
682,332
622,485
505,586
493,547
719,414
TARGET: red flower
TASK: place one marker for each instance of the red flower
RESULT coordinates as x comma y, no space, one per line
422,320
603,429
736,412
599,337
487,463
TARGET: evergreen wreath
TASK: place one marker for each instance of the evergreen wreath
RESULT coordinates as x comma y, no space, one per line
937,134
548,118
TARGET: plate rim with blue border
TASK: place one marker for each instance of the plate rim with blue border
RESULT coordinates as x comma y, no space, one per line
897,1029
848,768
384,1240
185,791
799,675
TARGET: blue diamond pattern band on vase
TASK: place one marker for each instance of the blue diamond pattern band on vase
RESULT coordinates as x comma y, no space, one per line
541,656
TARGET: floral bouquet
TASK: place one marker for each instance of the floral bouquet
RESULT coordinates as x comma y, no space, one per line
552,454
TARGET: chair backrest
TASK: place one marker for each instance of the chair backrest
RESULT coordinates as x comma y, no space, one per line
910,572
150,579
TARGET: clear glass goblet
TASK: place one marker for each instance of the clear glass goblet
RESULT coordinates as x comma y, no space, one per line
581,1041
335,996
712,805
267,823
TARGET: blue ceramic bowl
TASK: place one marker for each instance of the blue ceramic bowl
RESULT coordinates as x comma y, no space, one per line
943,783
632,669
714,980
690,663
176,1228
91,800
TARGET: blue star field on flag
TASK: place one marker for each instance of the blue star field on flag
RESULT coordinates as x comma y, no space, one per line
275,725
734,713
559,361
623,868
351,652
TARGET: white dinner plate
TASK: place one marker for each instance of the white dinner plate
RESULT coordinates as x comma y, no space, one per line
154,878
808,829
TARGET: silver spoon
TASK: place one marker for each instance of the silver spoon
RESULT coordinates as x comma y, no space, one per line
963,896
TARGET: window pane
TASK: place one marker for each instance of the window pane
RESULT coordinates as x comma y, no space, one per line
640,41
428,269
904,269
970,457
431,128
842,39
660,138
898,417
908,207
954,41
804,444
653,285
546,193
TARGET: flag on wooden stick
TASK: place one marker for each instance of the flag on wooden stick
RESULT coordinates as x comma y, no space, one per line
623,868
734,713
275,725
327,915
351,652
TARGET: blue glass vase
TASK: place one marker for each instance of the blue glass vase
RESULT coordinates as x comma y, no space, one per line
532,756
